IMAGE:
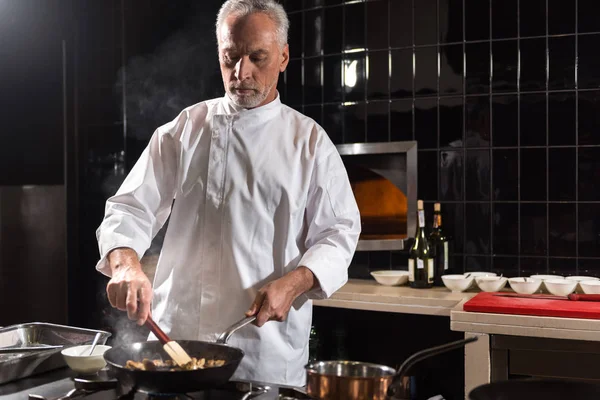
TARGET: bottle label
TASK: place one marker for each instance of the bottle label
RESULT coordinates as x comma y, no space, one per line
445,256
430,272
419,263
421,218
411,270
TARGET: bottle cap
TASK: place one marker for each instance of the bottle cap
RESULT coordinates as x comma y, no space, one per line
419,204
437,207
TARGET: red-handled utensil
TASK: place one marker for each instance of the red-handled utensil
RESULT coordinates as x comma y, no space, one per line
173,349
572,296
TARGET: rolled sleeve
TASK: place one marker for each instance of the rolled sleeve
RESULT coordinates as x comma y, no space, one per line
333,221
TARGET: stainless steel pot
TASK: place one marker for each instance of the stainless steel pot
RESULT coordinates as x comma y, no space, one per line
350,380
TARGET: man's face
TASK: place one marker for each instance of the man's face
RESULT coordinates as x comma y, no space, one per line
250,59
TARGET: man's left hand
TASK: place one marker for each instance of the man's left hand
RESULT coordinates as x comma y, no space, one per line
274,300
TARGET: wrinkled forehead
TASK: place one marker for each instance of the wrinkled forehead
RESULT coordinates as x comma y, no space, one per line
243,33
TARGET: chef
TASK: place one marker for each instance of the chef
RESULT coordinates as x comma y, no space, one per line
262,215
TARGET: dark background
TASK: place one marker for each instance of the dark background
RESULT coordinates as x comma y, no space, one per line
501,95
503,101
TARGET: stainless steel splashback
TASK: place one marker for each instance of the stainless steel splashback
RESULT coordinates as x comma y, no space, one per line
384,181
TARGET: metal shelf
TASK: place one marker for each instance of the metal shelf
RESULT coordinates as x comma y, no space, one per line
380,244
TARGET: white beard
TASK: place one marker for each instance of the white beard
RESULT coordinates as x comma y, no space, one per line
251,101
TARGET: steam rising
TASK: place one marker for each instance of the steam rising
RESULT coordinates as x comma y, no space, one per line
182,71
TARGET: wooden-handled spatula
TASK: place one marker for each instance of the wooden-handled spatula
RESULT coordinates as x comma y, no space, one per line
173,349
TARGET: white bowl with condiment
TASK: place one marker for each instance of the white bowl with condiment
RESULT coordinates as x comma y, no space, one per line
590,286
78,360
491,283
561,287
525,285
390,277
457,282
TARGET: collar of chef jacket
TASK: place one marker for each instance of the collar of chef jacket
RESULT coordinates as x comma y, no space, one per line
265,111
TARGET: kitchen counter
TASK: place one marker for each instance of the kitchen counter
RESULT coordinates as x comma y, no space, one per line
524,325
361,294
526,345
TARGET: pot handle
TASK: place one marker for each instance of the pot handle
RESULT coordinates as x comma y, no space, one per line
224,337
420,356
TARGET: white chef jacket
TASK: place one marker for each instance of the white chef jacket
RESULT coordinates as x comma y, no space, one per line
257,193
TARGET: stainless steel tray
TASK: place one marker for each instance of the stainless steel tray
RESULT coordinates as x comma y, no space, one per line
19,356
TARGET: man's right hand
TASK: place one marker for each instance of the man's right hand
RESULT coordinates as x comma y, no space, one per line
129,288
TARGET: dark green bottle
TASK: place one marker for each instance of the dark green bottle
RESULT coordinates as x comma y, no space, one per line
313,345
440,246
420,259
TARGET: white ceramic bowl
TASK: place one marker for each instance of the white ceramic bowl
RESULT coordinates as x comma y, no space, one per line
491,283
457,283
390,278
578,279
525,285
582,278
77,359
591,286
546,277
478,274
561,287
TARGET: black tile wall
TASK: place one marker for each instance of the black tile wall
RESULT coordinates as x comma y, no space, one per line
502,97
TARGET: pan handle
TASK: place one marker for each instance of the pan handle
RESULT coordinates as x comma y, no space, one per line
224,337
421,355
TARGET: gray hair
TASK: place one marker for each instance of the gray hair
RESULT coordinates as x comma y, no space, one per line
243,8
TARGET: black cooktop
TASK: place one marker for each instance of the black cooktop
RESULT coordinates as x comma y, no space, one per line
51,386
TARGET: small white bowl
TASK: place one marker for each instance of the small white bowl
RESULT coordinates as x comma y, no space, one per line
390,278
457,283
525,285
491,283
77,359
546,277
561,287
582,278
478,274
590,286
578,279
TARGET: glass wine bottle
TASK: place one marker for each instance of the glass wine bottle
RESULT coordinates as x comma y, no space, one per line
439,244
420,260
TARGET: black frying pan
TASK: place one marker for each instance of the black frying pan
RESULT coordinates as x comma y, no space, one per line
545,389
165,381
